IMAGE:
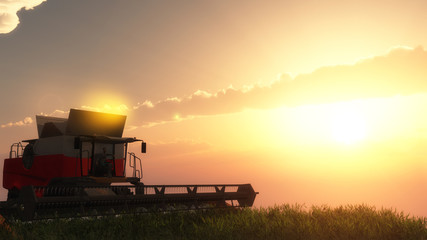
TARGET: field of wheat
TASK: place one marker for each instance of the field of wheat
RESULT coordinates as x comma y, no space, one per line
279,222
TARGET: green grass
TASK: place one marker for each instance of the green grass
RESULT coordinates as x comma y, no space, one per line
279,222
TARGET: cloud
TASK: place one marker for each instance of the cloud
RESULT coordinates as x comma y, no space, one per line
25,122
146,103
8,12
56,113
402,71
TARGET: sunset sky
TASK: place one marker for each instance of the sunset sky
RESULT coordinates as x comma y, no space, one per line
312,102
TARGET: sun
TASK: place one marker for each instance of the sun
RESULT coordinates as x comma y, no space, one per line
347,126
105,101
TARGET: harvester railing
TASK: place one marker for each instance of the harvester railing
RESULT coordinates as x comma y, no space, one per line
137,172
16,150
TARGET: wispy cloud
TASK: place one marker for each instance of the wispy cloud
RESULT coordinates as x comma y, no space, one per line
8,12
25,122
401,71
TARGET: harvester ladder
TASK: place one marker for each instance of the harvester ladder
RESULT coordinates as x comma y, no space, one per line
133,163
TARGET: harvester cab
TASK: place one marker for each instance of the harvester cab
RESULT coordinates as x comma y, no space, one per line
81,165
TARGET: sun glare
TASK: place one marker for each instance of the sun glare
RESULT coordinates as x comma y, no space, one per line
343,123
347,126
106,102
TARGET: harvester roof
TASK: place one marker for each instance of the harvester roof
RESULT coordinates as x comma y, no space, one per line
82,123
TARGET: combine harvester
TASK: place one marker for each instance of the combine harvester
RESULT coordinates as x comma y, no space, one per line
77,167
